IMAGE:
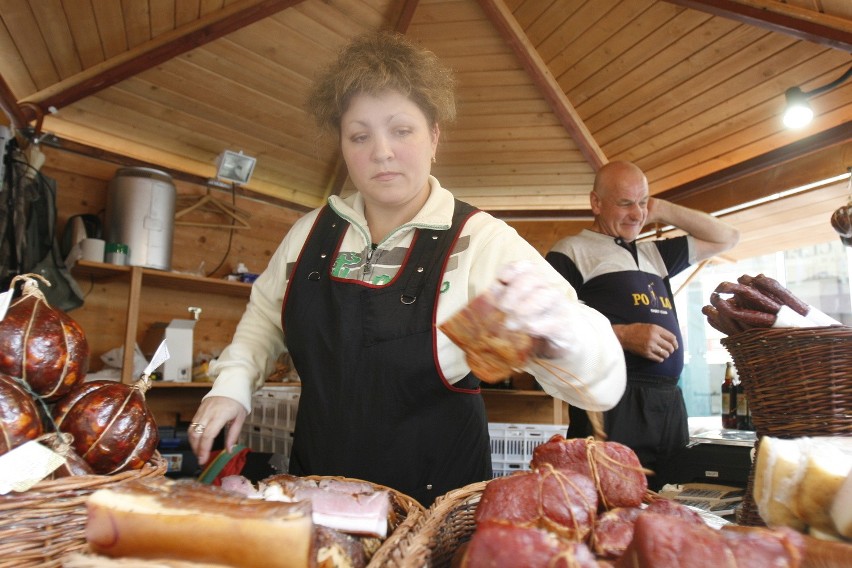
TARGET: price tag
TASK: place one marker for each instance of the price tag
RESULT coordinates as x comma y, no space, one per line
160,357
5,300
26,465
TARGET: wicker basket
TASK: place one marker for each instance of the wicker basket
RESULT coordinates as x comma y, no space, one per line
798,384
41,525
406,514
441,530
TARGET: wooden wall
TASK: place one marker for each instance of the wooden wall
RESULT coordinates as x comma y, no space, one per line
82,187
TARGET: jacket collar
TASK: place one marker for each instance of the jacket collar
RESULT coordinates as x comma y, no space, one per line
436,213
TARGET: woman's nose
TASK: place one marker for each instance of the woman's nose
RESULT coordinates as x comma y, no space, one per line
381,149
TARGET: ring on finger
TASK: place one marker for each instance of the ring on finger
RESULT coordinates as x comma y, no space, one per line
197,427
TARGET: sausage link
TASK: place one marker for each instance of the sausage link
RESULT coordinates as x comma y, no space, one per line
745,316
750,297
714,318
774,288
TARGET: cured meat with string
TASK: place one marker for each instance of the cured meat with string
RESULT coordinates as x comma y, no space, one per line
617,473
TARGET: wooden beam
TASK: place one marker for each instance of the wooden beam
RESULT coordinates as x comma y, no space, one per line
805,161
10,106
406,14
53,141
808,160
781,17
514,35
154,52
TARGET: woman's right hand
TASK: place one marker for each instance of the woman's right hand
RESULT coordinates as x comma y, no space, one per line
215,413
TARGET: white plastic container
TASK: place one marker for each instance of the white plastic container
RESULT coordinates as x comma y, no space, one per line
141,214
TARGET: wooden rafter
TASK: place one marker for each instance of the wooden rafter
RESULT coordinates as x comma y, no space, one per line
813,158
801,23
514,35
154,52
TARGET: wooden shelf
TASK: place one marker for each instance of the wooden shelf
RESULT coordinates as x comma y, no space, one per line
202,385
163,279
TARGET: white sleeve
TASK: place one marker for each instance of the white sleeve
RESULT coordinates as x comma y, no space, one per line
593,375
258,341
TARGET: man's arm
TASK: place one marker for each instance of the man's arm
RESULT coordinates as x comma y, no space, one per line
711,236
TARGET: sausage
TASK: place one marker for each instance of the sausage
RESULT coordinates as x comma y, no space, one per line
750,297
714,318
774,288
742,315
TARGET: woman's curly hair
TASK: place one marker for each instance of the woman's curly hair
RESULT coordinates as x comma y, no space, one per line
378,62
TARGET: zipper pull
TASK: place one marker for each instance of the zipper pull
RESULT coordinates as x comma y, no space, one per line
367,266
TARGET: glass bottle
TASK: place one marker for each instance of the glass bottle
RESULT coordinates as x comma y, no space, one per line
742,408
729,404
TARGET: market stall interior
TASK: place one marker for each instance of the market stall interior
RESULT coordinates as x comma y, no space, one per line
158,98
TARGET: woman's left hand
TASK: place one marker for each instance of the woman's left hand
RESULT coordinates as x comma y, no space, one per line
214,414
534,304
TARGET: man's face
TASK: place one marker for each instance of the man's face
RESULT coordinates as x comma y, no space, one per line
621,208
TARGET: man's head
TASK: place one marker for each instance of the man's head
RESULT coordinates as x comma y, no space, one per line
619,200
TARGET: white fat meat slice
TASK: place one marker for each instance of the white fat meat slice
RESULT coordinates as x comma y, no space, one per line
344,486
241,486
359,513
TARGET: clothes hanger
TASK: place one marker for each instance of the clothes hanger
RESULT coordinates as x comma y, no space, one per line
239,218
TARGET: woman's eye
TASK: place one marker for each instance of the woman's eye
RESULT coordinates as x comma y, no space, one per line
358,138
401,132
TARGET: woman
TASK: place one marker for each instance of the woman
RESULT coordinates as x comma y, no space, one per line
356,288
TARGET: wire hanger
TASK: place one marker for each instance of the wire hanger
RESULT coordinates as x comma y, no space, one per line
207,201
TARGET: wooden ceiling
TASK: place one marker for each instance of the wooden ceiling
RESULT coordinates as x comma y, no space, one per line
548,90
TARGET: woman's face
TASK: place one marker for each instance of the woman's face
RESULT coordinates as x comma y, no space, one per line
388,146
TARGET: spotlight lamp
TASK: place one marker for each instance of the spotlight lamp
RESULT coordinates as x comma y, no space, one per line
798,113
235,167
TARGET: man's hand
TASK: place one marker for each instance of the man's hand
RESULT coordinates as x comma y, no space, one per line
647,340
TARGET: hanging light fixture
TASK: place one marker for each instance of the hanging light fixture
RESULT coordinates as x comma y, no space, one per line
235,167
798,112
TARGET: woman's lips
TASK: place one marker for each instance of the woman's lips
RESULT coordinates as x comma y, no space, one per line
385,176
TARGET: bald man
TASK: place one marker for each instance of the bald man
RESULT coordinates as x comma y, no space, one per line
629,283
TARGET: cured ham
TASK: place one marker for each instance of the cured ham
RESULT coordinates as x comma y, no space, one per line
530,548
562,501
615,468
492,351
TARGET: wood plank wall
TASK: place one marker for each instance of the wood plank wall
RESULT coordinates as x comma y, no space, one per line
82,187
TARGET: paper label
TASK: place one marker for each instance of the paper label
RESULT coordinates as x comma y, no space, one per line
5,300
160,357
26,465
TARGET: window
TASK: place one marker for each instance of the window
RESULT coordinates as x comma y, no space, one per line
817,274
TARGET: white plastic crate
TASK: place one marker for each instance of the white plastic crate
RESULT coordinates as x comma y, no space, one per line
269,427
512,445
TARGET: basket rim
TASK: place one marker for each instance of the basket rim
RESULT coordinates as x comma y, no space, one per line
155,466
761,333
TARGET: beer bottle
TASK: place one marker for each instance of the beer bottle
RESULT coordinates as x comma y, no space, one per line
729,404
742,408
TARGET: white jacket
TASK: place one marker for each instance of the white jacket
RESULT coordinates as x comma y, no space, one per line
485,245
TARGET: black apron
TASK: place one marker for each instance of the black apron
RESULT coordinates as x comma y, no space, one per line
374,405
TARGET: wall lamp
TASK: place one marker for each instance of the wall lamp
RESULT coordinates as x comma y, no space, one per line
798,112
235,167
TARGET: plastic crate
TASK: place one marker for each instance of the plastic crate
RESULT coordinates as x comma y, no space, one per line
512,445
269,427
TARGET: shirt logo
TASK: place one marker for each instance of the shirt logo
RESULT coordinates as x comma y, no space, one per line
651,299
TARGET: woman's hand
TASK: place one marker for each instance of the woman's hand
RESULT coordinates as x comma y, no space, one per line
215,413
535,305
